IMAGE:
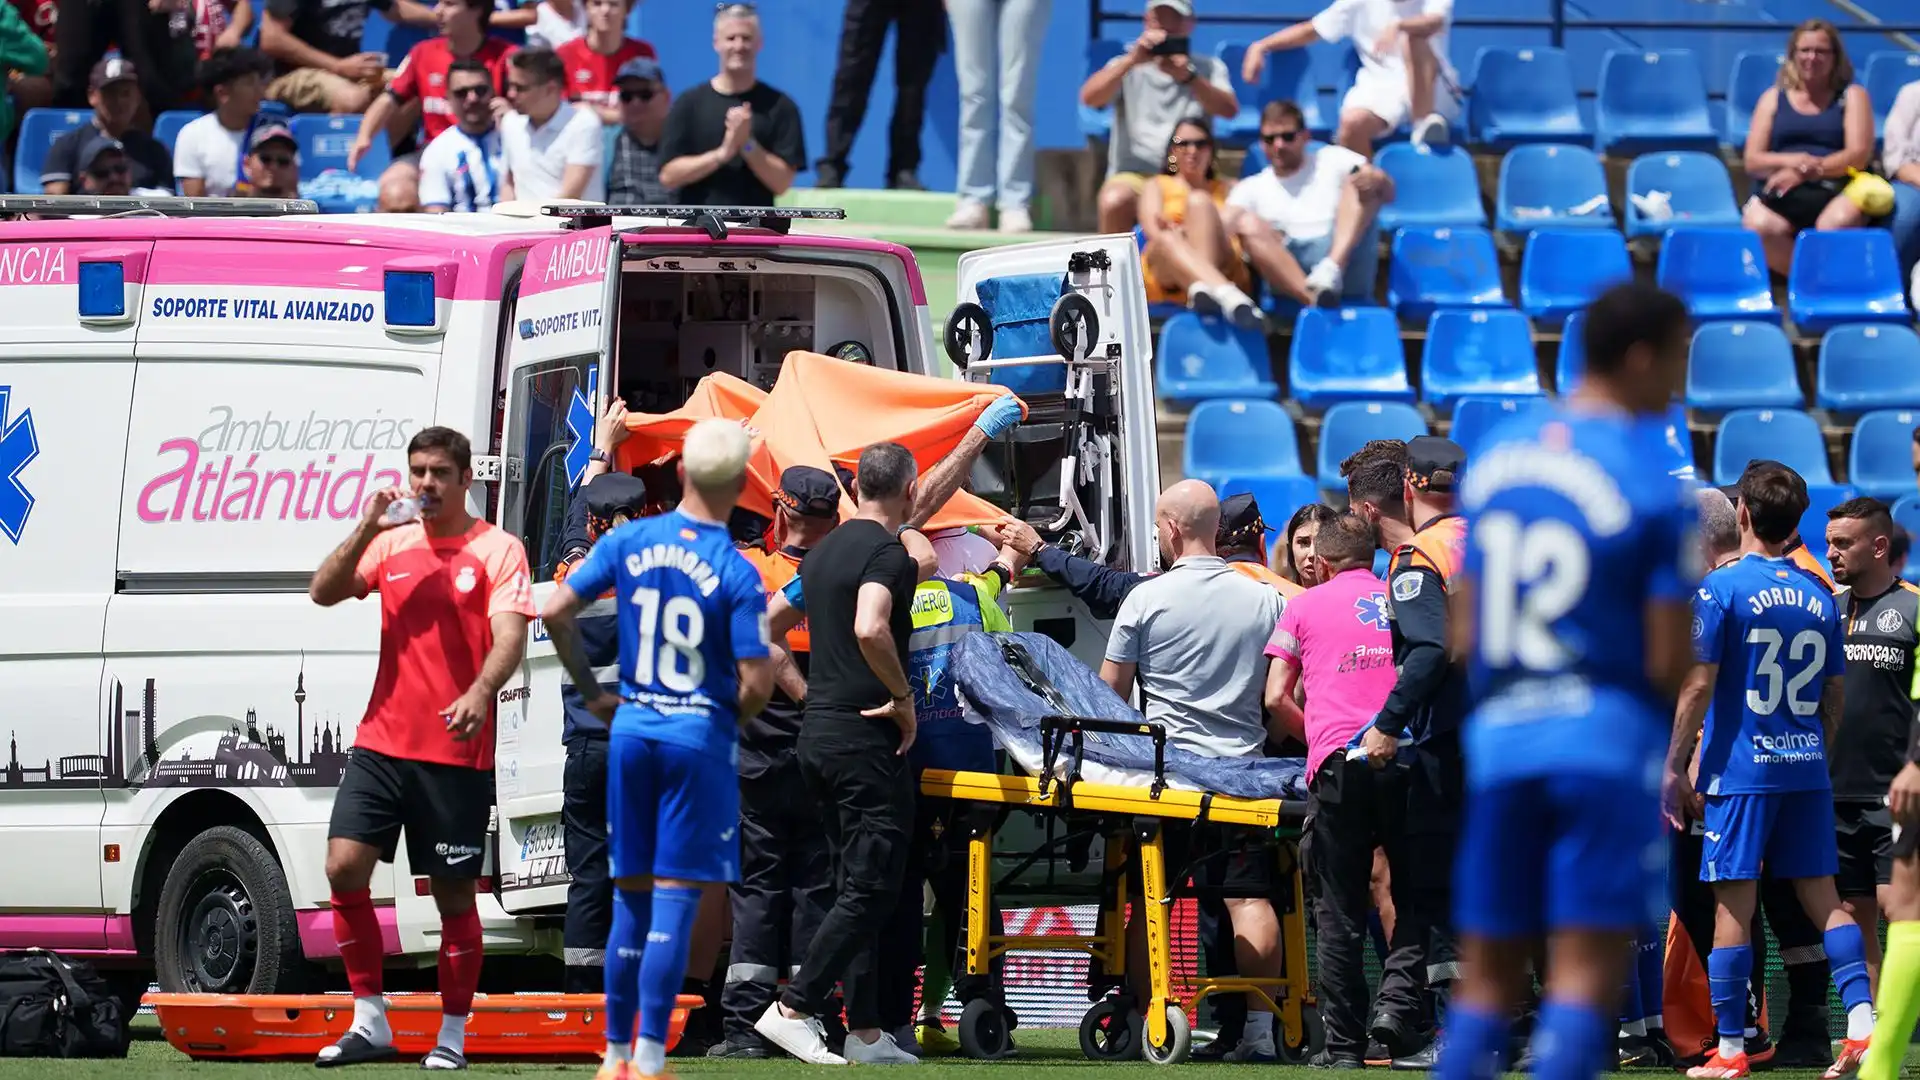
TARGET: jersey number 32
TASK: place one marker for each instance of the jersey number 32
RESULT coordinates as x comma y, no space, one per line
1807,645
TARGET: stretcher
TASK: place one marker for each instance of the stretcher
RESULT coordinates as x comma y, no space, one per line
1099,775
545,1027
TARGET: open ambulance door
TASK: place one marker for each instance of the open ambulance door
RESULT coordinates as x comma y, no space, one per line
559,356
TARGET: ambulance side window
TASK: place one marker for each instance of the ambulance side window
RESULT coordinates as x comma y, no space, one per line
539,436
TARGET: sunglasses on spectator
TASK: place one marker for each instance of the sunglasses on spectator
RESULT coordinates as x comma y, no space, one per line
1279,136
645,93
117,168
275,161
482,90
1202,143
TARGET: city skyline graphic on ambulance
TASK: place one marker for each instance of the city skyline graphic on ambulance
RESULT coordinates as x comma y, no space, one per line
19,445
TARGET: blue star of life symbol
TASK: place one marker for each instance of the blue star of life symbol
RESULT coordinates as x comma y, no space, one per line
18,447
1372,608
580,429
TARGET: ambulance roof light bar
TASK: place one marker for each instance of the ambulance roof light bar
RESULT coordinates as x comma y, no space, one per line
162,205
713,219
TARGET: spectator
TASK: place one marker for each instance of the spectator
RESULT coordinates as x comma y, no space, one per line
1151,89
462,167
417,97
1310,208
23,56
1404,69
104,168
147,38
633,176
1191,257
272,164
220,24
733,140
1900,160
556,22
594,59
553,150
1799,155
863,32
316,43
1296,555
208,155
996,58
114,92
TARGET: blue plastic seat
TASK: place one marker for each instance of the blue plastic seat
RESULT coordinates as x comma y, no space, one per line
325,140
1482,352
1697,184
1880,457
1443,268
1239,437
1543,186
1474,416
1436,188
1352,424
1679,443
1845,275
1348,354
1098,123
166,126
1278,497
1754,73
1742,365
1813,524
1906,514
1788,436
1720,273
1285,76
39,128
1572,361
1201,357
1524,95
1868,366
1652,100
1562,270
1887,71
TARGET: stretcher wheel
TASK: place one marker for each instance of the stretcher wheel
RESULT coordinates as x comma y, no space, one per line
1073,325
969,335
1110,1033
984,1034
1179,1042
1313,1037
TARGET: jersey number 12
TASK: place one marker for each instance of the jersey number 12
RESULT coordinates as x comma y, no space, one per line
668,641
1531,576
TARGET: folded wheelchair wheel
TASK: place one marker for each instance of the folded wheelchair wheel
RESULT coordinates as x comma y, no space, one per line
1312,1038
1073,326
1110,1032
1179,1042
968,335
983,1031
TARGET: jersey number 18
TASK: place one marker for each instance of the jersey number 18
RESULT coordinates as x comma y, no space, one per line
1531,576
669,639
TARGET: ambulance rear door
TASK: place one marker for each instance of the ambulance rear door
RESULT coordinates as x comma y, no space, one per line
558,358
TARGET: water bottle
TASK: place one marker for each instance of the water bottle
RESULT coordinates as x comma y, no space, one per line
406,509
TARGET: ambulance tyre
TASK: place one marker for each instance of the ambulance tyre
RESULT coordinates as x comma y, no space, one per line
226,922
1179,1040
983,1031
1110,1032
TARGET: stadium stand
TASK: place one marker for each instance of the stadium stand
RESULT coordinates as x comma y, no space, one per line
1695,186
1885,73
1868,366
1351,424
1433,188
1571,358
38,130
1880,455
1524,95
1487,352
1473,417
166,126
1845,275
1202,357
1350,354
1441,268
1741,365
1231,437
1562,270
1788,436
1652,100
1720,273
1754,73
1552,186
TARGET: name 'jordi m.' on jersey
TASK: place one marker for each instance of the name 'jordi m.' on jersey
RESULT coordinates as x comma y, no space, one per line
690,608
1573,526
1777,635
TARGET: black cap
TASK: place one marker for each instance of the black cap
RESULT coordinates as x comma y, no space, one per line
615,493
1434,463
1239,520
809,492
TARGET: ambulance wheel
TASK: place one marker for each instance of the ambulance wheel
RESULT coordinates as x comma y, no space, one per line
1312,1035
1179,1042
983,1031
968,335
1073,326
225,922
1110,1033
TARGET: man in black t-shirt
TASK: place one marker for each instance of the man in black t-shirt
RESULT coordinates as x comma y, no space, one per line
113,89
733,140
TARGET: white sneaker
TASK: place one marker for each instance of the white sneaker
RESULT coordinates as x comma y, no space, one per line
881,1051
1326,278
968,215
903,1037
1016,219
1432,130
1259,1051
1240,308
803,1037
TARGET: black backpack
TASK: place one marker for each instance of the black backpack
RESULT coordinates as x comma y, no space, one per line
54,1007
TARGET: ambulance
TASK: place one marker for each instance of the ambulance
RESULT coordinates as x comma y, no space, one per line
196,396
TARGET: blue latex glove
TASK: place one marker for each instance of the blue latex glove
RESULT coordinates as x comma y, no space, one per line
999,416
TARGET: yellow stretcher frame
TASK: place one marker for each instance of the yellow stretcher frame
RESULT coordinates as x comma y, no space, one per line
1166,1037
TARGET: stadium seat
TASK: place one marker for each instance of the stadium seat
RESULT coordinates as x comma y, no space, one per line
1278,497
1562,270
1868,366
1551,185
1572,361
1652,100
324,141
1352,424
1434,188
1754,73
1098,123
1785,435
1742,365
1845,275
166,126
1482,352
38,130
1906,514
1239,437
1443,268
1474,416
1202,357
1348,354
1286,76
1524,96
1720,273
1697,186
1813,524
1880,457
1679,442
1888,71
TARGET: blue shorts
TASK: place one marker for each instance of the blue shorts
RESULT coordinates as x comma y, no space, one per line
1559,852
1791,832
671,812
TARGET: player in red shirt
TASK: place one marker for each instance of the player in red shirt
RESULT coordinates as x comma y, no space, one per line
594,58
454,605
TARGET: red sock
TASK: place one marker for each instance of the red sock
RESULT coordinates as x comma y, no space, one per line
358,934
459,961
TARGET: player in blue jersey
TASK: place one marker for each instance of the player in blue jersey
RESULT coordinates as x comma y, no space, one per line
693,666
1580,556
1771,646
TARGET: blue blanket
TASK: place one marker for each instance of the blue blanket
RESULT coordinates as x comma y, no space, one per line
994,694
